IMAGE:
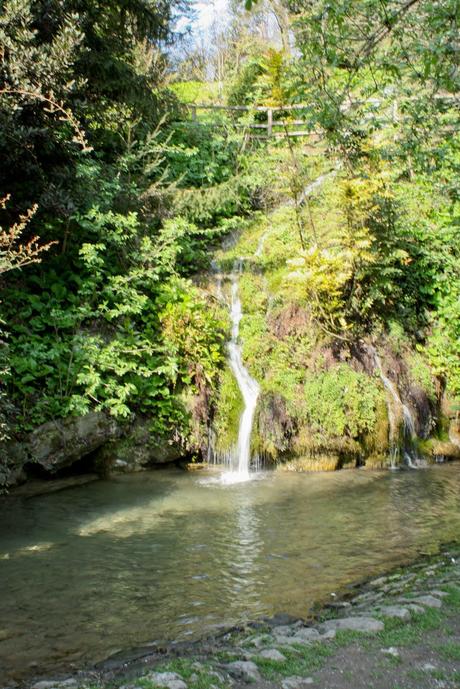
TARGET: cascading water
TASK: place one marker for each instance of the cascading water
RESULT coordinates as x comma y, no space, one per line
408,421
240,458
249,388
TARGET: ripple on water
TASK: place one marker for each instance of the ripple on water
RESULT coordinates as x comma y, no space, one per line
171,555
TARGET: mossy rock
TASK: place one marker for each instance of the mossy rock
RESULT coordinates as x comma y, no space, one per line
318,463
433,448
377,461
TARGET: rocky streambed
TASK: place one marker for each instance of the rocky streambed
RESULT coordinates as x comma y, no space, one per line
399,630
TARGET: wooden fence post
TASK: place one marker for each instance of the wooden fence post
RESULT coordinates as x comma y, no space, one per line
269,122
193,113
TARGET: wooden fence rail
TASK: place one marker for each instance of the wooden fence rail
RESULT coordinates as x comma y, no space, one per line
271,126
271,122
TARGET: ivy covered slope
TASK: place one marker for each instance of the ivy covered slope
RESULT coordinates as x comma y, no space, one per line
367,298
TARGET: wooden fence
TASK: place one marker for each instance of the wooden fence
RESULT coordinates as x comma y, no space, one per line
272,124
272,127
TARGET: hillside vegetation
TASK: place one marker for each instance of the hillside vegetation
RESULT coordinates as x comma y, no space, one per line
115,206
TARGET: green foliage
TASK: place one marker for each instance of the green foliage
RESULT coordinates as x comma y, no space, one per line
229,405
195,91
202,154
107,332
421,373
341,402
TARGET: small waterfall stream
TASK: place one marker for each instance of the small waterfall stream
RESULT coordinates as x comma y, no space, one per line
240,458
249,387
394,405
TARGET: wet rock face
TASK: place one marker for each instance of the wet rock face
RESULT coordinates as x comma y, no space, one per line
138,449
108,445
274,423
55,445
58,444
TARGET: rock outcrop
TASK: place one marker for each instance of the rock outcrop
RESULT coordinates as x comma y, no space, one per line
107,445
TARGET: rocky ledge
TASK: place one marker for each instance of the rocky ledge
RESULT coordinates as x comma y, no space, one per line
94,444
401,630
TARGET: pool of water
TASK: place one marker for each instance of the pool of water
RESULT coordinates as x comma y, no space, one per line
172,555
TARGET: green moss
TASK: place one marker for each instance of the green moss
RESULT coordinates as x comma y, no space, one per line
341,402
229,408
421,374
376,442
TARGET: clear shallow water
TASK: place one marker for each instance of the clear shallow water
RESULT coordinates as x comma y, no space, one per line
168,555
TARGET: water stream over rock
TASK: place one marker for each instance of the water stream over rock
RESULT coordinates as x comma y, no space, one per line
398,410
249,388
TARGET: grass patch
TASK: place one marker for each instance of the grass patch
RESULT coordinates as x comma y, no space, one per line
196,675
450,650
452,600
399,633
300,660
438,674
345,637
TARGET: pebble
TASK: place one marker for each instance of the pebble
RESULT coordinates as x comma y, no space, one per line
168,680
296,682
428,667
243,669
395,611
272,654
357,624
392,651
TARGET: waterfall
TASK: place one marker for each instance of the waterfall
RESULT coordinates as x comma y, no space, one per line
249,387
239,459
410,434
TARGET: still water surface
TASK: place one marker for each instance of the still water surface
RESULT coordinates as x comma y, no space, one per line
168,555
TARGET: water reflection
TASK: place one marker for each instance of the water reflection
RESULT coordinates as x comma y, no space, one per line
162,556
